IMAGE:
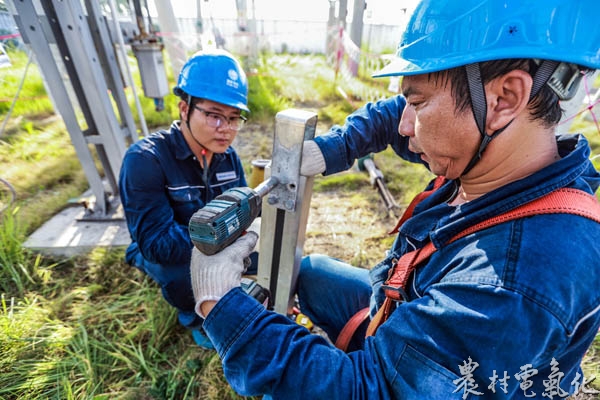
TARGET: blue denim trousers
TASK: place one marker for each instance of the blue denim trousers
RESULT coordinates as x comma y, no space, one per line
330,292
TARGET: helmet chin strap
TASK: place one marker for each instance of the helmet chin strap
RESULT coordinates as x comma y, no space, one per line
203,151
187,123
479,107
479,103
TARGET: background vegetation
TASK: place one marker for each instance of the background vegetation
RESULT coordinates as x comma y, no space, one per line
91,327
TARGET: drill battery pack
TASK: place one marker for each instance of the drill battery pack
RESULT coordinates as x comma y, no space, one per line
223,220
258,292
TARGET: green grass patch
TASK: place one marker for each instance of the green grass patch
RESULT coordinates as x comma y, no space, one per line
348,181
32,100
98,329
264,100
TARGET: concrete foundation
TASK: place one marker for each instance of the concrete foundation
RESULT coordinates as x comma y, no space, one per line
76,231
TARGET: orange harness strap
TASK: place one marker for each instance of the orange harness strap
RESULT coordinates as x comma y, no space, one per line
346,334
437,183
562,201
357,319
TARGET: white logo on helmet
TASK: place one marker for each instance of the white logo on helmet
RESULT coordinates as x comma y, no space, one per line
233,79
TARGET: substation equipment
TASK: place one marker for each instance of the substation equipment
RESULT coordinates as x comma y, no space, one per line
75,46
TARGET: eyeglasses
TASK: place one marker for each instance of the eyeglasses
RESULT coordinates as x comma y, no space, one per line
216,120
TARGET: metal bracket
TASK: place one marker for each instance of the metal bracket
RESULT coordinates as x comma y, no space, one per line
292,127
285,213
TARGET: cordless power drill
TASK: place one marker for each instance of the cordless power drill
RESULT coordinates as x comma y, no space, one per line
224,219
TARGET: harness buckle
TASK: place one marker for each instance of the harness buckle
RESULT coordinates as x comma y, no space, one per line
395,293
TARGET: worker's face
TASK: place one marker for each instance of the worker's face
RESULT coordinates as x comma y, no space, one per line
203,118
444,138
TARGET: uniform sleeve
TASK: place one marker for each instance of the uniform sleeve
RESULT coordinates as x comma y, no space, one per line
370,129
420,352
266,353
149,215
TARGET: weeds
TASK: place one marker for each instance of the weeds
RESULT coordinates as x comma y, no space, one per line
34,100
95,336
264,94
17,273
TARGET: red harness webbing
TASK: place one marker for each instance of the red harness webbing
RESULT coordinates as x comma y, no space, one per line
357,319
437,183
562,201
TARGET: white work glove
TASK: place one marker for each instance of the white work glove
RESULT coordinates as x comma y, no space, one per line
313,162
255,226
213,276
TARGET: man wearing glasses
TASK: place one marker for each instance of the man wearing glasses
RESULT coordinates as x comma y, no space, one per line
169,175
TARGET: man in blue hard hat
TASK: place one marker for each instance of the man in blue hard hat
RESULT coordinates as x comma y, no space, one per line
502,302
169,175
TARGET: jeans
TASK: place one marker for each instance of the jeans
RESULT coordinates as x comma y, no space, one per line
330,292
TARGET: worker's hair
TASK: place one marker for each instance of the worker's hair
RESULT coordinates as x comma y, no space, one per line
544,106
190,100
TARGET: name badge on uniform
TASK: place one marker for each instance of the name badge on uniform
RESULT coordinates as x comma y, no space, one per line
226,176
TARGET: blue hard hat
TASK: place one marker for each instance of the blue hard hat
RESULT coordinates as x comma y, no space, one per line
214,75
444,34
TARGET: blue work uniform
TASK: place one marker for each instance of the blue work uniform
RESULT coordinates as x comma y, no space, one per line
501,313
162,184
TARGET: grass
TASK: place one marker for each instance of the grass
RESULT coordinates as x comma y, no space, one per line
33,99
94,329
91,327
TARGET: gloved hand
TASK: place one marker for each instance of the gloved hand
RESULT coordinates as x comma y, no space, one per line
255,226
313,162
213,276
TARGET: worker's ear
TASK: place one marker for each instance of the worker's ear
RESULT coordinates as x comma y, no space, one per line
183,110
507,97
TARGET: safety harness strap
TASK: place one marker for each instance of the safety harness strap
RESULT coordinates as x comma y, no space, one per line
437,183
346,334
561,201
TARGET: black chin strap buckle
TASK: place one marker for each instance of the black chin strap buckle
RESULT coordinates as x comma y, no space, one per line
479,107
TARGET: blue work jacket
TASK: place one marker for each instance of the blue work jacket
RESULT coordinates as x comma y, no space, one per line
507,312
162,185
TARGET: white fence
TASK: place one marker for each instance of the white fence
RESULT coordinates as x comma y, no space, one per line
275,35
291,35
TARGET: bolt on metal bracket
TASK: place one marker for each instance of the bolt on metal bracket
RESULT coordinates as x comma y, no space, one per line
292,127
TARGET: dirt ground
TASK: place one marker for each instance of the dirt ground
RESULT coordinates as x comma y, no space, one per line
585,396
338,228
